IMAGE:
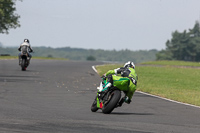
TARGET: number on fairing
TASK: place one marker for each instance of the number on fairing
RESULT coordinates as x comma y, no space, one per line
133,80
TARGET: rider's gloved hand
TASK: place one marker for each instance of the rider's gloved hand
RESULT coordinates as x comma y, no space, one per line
104,77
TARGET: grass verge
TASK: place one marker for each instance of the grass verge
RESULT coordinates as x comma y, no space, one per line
173,63
180,84
49,58
8,57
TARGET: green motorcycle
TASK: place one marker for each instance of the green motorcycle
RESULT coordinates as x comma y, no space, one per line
107,100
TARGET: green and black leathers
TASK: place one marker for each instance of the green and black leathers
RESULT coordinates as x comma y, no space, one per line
126,81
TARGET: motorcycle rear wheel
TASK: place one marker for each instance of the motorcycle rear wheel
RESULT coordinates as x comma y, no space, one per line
113,100
23,64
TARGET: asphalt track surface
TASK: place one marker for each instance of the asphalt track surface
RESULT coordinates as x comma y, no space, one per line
56,96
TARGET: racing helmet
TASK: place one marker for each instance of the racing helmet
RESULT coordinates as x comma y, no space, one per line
129,64
26,40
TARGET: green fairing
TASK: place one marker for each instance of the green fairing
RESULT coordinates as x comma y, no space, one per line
98,104
121,82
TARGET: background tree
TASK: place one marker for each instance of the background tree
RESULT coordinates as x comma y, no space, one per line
85,54
194,42
183,46
8,19
91,58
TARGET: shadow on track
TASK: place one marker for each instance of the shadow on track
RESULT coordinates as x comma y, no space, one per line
125,113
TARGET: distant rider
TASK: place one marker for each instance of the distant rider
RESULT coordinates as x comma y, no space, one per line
127,82
29,49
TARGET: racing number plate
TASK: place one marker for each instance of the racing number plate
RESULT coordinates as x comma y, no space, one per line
133,80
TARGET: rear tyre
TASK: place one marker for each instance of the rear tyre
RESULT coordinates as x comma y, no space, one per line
113,100
23,64
94,105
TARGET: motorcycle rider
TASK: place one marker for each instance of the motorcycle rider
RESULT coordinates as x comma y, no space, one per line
29,49
127,82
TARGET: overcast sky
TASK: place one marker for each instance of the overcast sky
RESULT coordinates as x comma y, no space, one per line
102,24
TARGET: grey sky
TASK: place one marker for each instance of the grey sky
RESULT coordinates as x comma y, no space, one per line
102,24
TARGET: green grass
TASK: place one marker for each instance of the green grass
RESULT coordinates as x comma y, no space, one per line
104,68
173,63
180,84
49,58
8,57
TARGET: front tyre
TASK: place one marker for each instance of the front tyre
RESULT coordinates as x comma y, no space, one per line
94,105
112,102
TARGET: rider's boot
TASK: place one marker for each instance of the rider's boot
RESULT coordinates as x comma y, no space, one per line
28,61
121,102
20,61
127,100
124,99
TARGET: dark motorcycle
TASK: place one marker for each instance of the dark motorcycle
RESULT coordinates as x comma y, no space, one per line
24,58
107,100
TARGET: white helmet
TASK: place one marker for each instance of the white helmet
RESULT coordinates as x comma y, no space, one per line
129,64
26,40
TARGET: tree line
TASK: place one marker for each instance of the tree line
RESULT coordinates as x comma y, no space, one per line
88,54
182,46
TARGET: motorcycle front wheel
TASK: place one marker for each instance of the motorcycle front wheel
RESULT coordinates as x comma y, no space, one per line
113,100
94,105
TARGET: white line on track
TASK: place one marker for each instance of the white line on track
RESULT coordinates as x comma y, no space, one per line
169,100
93,67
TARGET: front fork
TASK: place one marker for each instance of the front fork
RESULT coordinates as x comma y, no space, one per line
102,98
100,95
99,102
